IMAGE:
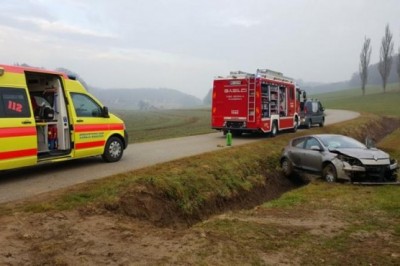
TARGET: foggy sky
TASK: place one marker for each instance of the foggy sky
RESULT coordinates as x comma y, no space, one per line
183,44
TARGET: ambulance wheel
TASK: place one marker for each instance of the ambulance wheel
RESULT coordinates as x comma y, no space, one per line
113,150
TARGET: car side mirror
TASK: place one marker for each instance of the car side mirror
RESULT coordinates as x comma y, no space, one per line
369,142
105,112
315,148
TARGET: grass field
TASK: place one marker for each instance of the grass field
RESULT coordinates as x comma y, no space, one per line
162,124
374,101
316,224
320,223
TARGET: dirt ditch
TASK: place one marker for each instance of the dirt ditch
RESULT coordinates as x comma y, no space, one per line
110,236
145,202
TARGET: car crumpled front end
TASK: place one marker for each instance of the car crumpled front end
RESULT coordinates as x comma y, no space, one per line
366,170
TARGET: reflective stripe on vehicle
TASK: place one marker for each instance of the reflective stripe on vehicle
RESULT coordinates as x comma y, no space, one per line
92,144
17,132
98,127
17,154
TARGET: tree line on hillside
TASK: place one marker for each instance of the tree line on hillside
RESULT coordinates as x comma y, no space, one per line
135,98
386,58
146,98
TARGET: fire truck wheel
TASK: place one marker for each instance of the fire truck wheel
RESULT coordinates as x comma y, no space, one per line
113,150
274,129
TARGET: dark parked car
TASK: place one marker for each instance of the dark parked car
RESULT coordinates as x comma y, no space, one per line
311,112
338,157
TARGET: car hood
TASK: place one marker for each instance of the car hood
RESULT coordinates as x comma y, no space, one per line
373,154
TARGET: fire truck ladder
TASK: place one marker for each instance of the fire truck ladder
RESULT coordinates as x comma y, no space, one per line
251,114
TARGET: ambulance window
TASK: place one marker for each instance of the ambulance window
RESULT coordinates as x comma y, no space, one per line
14,103
85,106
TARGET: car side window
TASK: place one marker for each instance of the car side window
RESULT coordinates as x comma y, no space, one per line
298,143
312,142
14,103
85,106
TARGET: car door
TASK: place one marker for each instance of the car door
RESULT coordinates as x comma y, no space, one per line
295,152
312,155
18,138
90,126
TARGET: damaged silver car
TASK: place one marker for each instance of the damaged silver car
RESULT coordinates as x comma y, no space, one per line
338,157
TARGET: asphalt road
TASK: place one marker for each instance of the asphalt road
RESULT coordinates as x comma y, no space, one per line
27,182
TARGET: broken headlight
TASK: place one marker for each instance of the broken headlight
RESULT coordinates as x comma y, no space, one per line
350,160
393,164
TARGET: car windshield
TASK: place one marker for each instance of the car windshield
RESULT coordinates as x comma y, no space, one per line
335,142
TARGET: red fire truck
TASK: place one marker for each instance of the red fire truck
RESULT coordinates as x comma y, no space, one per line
263,102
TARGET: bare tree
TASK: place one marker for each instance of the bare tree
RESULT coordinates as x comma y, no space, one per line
365,56
386,56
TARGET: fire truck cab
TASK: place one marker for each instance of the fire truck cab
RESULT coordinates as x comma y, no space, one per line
265,102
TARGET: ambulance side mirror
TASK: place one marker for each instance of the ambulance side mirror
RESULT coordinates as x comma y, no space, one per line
105,112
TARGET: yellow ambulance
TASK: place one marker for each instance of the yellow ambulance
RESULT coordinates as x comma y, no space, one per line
48,116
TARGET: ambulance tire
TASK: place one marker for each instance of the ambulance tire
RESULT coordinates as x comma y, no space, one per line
113,150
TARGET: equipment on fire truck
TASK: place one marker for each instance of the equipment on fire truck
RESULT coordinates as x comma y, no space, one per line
266,101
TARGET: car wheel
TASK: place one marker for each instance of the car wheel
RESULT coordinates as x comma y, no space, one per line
287,167
309,124
322,123
329,173
274,129
113,150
